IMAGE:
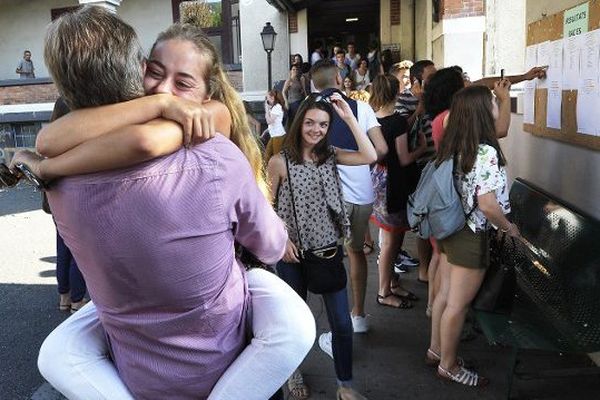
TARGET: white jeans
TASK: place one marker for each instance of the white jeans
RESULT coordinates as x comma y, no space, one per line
74,357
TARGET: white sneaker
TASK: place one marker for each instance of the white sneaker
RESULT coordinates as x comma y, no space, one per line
359,324
325,343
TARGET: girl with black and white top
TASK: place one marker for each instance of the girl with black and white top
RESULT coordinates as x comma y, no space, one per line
305,180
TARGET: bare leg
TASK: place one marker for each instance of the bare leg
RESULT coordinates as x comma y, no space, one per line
424,249
464,284
389,245
433,287
439,303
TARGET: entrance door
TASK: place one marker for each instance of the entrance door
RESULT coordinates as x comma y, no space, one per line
343,21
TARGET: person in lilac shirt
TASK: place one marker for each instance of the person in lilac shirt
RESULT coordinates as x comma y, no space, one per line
159,237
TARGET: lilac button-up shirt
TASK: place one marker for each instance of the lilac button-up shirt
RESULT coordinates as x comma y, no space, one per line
155,244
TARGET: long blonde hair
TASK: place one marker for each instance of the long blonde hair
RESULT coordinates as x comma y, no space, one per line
220,89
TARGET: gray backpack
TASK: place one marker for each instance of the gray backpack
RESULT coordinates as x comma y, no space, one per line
435,208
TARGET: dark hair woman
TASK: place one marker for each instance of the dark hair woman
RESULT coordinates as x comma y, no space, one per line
392,182
309,200
480,178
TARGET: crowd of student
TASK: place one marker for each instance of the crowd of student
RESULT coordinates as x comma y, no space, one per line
162,241
409,109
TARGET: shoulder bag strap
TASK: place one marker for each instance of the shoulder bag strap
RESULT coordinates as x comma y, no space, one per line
289,177
467,215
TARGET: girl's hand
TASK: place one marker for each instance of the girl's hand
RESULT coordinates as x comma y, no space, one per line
341,107
291,254
29,158
502,89
197,122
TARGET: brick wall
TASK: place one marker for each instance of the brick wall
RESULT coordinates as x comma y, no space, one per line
462,8
46,92
28,94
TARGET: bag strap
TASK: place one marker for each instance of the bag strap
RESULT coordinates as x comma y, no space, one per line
289,176
467,215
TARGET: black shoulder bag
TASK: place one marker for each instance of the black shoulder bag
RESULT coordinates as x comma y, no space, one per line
323,268
497,291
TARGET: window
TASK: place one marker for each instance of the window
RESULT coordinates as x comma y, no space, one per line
219,19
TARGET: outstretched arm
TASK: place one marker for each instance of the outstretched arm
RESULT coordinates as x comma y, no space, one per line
81,125
535,72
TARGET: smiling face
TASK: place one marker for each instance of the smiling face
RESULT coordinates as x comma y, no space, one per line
314,127
178,68
348,83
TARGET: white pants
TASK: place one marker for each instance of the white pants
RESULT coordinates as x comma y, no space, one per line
74,357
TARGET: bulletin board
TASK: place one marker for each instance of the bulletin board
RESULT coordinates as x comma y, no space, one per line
551,28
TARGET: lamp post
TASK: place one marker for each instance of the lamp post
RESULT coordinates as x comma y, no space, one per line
268,40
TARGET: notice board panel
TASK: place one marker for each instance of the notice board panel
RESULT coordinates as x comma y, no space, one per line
548,29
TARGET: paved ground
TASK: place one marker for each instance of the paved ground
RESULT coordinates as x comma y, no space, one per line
388,360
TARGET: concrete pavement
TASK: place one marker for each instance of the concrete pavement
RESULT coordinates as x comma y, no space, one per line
388,360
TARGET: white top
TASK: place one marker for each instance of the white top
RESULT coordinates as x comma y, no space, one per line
361,81
354,61
485,177
356,180
276,127
314,57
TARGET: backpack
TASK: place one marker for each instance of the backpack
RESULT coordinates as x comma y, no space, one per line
435,208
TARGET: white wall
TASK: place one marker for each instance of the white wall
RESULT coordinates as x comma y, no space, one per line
459,41
299,40
505,19
253,15
23,26
148,18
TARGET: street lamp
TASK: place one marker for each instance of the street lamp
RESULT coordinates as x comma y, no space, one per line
268,40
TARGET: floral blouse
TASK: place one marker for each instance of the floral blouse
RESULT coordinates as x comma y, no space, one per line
485,177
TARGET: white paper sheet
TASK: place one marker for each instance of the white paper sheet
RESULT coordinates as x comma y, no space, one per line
543,59
572,52
554,81
588,106
588,93
529,87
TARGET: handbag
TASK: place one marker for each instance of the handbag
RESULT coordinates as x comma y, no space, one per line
322,268
497,291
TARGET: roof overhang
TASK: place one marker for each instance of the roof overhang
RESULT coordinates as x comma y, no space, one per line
288,5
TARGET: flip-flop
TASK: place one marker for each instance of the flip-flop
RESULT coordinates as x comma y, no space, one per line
404,303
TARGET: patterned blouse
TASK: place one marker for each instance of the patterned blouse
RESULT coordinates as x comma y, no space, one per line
319,204
485,177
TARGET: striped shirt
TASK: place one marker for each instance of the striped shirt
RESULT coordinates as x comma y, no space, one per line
406,103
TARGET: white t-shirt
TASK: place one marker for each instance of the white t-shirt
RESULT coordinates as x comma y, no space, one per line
356,180
314,57
276,127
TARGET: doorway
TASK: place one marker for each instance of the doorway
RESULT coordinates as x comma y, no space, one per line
341,21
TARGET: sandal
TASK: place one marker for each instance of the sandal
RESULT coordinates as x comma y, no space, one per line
463,376
298,389
404,303
432,359
408,296
64,302
368,248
